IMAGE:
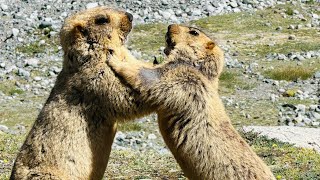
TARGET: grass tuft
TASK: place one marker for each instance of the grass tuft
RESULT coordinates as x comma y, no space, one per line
30,49
129,126
9,88
289,73
289,11
233,80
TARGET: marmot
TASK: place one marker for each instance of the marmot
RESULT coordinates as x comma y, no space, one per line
191,116
73,134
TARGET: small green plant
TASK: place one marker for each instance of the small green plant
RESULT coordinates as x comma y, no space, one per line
30,49
131,126
289,73
9,88
289,11
15,91
232,80
310,2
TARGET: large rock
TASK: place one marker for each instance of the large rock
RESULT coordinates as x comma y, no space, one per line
299,136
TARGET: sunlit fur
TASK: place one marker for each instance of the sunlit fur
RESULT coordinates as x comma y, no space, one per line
191,116
73,134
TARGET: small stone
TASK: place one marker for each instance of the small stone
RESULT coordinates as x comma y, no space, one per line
120,136
291,27
178,12
299,92
299,26
152,136
2,65
306,120
15,31
296,12
4,7
210,8
315,115
313,107
23,73
276,83
290,124
42,42
315,124
164,2
301,108
4,128
317,75
233,4
273,97
267,24
292,37
45,24
92,5
315,16
37,78
282,57
279,28
31,62
166,14
196,12
299,58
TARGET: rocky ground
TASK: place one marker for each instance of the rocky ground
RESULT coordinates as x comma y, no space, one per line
271,77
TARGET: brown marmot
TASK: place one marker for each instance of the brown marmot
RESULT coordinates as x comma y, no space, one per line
191,116
73,134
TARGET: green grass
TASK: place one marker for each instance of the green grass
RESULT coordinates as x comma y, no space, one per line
31,49
9,88
248,29
284,47
247,22
294,101
130,126
262,112
9,147
17,112
148,38
128,164
50,46
231,80
289,11
290,73
286,161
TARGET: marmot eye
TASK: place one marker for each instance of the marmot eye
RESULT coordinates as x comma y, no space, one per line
194,33
101,20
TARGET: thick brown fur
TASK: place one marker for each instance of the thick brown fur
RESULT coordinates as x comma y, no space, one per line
192,118
73,134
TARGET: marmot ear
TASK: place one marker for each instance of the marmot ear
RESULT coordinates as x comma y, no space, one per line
210,45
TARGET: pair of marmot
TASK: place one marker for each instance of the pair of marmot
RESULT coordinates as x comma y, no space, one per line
73,134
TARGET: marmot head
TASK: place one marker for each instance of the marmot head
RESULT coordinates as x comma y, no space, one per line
93,32
192,44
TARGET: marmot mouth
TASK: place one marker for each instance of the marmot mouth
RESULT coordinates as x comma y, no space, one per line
169,44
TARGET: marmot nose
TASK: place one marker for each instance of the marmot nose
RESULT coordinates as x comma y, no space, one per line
130,17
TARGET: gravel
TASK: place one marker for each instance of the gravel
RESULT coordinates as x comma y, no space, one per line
24,21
